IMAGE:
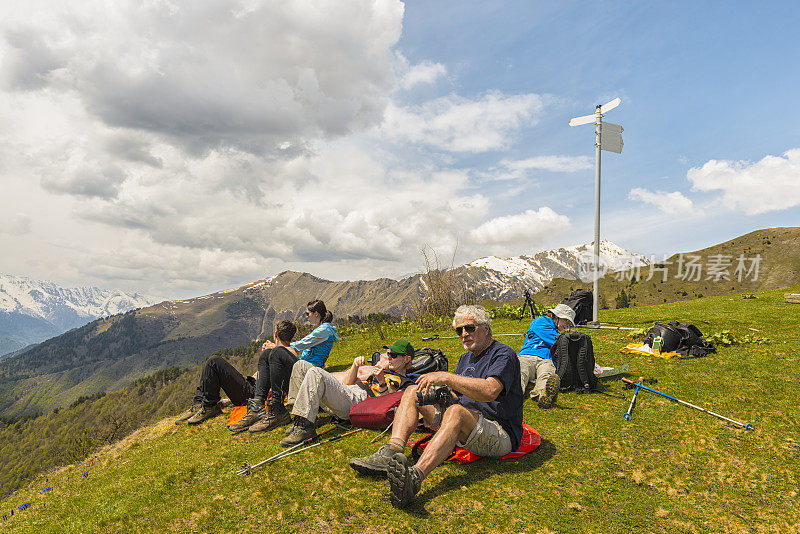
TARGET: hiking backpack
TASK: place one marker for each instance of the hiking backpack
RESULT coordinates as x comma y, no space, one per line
573,356
580,300
685,339
426,360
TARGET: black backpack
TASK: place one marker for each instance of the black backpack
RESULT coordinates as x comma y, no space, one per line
425,360
573,356
580,300
685,339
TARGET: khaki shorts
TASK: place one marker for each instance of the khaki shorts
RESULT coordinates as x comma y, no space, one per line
488,438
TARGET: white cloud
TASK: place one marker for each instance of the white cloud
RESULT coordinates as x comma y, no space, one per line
423,73
771,184
168,148
671,203
457,124
522,231
247,74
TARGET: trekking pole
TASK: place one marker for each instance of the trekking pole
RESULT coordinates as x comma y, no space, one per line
627,415
376,438
746,426
247,469
604,327
334,438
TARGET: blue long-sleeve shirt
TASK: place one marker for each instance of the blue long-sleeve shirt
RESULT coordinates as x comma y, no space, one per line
317,345
540,337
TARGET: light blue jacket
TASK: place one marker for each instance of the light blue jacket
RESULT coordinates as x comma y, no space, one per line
540,337
317,345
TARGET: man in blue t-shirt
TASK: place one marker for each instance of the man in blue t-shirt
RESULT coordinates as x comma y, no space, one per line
485,416
535,362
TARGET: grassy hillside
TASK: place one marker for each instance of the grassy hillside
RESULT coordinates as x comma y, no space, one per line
779,249
669,469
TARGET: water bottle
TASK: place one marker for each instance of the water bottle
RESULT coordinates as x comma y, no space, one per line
657,345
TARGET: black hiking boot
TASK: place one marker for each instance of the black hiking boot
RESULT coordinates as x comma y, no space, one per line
551,388
274,417
185,416
302,430
375,465
404,480
205,413
255,412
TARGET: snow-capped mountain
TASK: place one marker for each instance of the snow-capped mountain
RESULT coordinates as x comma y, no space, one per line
507,278
34,310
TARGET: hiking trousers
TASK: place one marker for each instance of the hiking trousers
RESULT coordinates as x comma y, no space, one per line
219,373
274,370
537,370
318,388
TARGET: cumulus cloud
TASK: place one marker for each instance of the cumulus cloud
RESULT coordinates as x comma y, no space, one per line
425,72
188,144
523,230
246,74
458,124
671,203
771,184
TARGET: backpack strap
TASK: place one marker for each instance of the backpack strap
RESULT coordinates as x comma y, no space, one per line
583,354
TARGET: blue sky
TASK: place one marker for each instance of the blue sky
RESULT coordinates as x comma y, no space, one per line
187,147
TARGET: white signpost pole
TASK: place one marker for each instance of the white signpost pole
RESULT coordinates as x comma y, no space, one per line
613,143
598,126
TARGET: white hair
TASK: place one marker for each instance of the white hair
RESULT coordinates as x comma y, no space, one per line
475,312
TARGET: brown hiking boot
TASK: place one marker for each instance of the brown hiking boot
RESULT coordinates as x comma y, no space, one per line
374,465
551,388
185,416
274,417
205,412
302,430
255,412
404,480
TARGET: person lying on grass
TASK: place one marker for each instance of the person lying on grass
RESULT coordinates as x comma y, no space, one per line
274,367
536,364
314,388
486,417
316,348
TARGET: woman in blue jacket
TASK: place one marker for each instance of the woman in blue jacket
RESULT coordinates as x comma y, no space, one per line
316,346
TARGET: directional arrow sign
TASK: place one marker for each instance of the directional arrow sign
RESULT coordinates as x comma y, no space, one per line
611,141
611,128
586,119
605,108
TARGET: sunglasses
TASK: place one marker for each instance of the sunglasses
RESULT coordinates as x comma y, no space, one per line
468,327
394,355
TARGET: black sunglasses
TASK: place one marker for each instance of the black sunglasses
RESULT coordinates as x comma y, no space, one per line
468,327
393,355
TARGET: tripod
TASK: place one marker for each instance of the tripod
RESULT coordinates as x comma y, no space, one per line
529,303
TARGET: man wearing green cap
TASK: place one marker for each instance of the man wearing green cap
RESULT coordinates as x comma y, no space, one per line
313,387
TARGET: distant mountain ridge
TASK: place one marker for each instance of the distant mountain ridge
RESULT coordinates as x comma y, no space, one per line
34,310
507,278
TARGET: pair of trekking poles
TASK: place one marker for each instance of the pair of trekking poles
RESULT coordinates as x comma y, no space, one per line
247,469
638,385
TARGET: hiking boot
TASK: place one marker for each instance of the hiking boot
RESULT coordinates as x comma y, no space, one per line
404,480
274,417
255,412
302,430
551,388
375,465
185,416
204,413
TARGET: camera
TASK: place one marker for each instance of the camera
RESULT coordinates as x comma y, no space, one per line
440,396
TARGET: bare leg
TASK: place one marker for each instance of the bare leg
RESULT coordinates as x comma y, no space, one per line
407,417
457,424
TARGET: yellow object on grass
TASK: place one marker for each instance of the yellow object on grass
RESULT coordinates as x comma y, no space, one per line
633,348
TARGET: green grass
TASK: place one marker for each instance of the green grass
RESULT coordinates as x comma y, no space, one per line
669,469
